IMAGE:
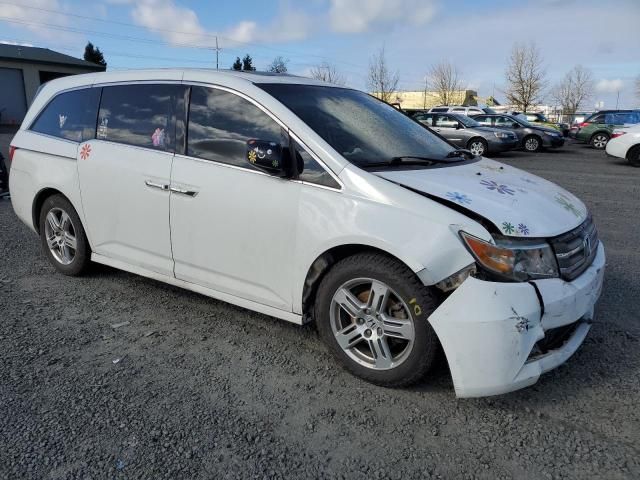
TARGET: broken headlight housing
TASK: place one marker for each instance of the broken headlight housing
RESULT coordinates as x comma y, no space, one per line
513,259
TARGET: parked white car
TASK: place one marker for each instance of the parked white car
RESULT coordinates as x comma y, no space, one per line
307,201
625,143
459,109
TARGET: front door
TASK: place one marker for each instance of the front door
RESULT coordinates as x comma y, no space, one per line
232,227
125,174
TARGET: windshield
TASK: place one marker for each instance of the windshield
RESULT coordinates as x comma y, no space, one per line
363,129
466,121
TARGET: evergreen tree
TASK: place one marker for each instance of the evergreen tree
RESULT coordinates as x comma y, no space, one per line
247,63
237,65
94,55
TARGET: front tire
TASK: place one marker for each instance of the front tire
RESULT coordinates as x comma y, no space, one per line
532,144
372,312
478,147
633,156
599,141
62,236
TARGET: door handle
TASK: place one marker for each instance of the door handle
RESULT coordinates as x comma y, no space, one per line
152,184
181,191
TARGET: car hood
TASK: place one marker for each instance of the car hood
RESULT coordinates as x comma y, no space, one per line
517,203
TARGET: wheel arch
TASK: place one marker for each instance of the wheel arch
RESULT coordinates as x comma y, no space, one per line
477,137
323,263
39,200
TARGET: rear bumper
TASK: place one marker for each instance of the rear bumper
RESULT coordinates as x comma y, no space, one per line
489,330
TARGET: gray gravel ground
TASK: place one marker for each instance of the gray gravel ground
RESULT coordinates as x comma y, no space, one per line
220,392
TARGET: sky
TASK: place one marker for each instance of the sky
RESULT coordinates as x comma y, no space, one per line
477,36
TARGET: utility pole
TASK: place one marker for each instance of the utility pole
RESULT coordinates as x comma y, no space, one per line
617,99
217,52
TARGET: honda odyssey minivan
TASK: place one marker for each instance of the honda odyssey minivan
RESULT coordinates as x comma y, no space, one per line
313,202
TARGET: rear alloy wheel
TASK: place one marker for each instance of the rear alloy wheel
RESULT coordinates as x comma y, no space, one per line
372,312
633,156
478,147
599,140
532,144
63,238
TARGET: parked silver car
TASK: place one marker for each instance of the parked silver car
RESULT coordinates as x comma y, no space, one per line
531,137
465,132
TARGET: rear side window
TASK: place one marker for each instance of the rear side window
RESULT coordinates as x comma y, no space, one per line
483,120
70,115
142,115
221,123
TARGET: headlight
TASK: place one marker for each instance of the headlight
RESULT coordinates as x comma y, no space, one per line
502,134
513,259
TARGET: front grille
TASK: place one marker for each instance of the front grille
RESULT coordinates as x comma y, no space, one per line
576,249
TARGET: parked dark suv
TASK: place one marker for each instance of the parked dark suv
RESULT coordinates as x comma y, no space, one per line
465,132
531,137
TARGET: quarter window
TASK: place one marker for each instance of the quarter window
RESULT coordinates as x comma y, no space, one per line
221,123
70,115
310,170
142,115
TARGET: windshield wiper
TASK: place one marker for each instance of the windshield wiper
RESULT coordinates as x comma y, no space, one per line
410,160
460,152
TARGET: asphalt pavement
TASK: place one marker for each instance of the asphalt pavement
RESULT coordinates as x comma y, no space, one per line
116,376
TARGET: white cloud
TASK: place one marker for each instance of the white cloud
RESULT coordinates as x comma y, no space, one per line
19,11
609,86
11,42
355,16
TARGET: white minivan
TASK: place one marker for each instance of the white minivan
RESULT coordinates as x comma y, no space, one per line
313,202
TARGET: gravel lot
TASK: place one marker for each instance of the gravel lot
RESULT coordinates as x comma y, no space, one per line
207,390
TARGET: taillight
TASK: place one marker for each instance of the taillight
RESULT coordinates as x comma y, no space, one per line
12,150
583,124
617,134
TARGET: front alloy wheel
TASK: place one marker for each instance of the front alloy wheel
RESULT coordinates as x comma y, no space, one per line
532,144
373,314
372,324
478,148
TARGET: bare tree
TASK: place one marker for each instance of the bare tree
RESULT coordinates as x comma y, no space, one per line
525,76
445,80
327,73
279,65
382,82
575,88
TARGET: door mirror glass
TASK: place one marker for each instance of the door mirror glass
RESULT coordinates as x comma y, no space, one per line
269,157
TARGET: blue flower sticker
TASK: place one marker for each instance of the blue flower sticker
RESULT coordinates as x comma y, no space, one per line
458,197
523,229
493,185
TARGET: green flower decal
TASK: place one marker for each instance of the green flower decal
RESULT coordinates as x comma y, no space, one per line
508,228
567,205
275,163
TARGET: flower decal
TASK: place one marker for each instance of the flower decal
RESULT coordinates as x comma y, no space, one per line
567,205
523,229
458,197
508,228
252,156
85,151
275,163
493,185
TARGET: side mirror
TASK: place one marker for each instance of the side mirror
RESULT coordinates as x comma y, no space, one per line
457,126
269,157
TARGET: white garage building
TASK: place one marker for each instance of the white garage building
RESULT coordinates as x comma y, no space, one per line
24,69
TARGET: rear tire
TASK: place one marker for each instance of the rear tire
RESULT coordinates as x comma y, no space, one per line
372,313
532,143
599,140
633,156
62,236
478,147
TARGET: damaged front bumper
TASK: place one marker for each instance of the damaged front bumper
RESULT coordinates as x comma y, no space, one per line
490,330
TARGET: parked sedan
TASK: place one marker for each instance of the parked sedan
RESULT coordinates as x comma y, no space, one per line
465,132
531,137
625,143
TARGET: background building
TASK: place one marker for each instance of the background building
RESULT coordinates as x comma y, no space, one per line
24,69
428,99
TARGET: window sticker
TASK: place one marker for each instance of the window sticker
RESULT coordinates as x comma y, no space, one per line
62,120
103,128
158,137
